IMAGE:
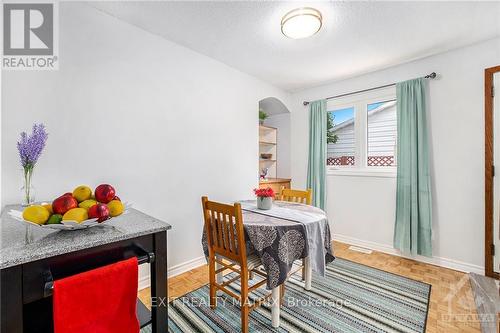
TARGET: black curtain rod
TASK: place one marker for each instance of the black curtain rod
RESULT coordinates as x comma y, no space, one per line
429,76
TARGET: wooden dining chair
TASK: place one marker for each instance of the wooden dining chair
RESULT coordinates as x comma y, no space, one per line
300,196
227,248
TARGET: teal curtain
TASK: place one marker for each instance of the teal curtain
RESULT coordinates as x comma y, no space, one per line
316,167
413,228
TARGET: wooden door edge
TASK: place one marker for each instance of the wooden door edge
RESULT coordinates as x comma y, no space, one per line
488,166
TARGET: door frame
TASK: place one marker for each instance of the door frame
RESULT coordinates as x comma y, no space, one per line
488,172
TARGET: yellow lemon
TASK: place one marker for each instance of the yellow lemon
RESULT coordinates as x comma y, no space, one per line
76,214
82,193
36,214
48,207
87,204
115,208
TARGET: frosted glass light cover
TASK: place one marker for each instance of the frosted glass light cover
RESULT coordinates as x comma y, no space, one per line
301,23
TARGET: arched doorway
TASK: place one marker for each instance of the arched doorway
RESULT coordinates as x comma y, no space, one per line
278,116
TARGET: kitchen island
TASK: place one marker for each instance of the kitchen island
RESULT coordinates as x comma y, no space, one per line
31,258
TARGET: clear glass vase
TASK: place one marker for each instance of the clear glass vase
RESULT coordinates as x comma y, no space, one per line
28,191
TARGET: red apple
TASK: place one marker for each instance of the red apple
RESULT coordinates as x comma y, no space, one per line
64,203
104,193
99,211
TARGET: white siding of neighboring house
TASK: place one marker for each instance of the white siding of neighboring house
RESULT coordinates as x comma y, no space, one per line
382,132
345,144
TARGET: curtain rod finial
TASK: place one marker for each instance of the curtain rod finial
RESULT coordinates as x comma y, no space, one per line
431,75
305,103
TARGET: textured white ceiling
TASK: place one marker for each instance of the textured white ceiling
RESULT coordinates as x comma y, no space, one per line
357,37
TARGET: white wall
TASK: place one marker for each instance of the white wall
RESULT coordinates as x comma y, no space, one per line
362,209
282,123
164,124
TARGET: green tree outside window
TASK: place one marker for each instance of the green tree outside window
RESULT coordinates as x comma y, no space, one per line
331,137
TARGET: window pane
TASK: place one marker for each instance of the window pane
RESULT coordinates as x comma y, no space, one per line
340,137
382,134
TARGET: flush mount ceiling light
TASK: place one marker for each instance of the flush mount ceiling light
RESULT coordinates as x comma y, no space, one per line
301,23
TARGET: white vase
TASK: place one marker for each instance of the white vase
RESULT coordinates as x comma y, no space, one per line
264,203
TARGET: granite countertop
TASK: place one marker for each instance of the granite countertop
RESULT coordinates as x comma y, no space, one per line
16,248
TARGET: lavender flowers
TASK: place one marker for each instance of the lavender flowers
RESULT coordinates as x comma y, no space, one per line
30,148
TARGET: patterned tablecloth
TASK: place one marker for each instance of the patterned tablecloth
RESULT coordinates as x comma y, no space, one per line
288,232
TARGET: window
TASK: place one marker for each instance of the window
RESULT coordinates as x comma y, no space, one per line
382,133
362,132
340,137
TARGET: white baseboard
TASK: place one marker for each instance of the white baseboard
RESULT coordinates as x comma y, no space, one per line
144,281
186,266
438,261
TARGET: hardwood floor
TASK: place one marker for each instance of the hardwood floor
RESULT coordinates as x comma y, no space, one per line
452,308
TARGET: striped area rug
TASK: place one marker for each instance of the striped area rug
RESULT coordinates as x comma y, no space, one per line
350,298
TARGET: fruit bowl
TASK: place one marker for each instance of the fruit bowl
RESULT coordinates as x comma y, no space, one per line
66,224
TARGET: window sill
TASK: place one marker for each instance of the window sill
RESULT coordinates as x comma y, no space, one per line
364,172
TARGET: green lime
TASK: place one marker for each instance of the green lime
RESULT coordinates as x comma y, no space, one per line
55,219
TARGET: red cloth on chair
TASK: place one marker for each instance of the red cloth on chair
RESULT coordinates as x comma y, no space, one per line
102,300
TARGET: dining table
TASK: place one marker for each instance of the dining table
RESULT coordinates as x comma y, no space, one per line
280,236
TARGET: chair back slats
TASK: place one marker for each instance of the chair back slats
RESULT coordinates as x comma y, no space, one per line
298,196
232,231
224,228
226,231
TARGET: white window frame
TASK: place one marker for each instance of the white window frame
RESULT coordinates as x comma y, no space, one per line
360,102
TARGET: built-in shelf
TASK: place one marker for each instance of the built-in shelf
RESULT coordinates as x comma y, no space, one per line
275,181
267,128
268,138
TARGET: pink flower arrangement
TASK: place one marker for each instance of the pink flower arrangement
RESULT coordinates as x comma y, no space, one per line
263,192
